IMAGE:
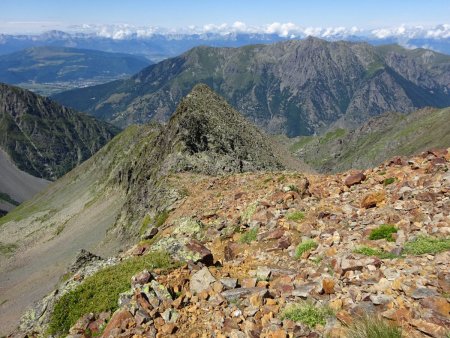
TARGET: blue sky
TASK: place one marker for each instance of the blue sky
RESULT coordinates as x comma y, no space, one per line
39,15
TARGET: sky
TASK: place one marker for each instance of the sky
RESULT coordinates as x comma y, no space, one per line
35,16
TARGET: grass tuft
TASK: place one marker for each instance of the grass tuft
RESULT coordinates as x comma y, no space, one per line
249,236
384,231
304,247
367,251
295,216
100,292
373,327
427,245
307,313
389,180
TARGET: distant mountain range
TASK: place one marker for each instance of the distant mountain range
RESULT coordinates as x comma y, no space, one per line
157,43
48,70
41,140
291,87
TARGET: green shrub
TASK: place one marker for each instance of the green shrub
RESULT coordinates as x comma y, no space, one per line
384,231
424,245
295,216
373,327
249,236
307,313
304,247
389,180
367,251
100,291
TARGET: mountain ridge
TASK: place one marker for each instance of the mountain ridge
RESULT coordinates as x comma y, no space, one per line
294,87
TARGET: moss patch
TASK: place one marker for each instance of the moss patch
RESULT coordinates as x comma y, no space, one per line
367,251
304,247
249,236
295,216
384,231
307,314
427,245
100,292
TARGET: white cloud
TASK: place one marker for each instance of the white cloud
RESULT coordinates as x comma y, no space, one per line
401,33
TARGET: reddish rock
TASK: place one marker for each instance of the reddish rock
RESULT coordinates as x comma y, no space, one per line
283,243
231,251
328,285
229,324
439,305
262,216
428,328
354,179
205,254
399,315
277,334
373,199
344,317
275,234
139,249
116,322
426,197
248,282
397,160
168,328
141,278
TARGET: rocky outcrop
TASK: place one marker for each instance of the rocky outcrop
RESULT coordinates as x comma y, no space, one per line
204,136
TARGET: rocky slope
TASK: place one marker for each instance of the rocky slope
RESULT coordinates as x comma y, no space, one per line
111,199
277,254
16,185
44,138
375,141
293,87
48,70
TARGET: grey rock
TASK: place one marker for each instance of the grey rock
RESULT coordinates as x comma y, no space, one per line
304,290
242,292
421,293
160,290
83,258
380,299
201,280
229,283
170,315
263,273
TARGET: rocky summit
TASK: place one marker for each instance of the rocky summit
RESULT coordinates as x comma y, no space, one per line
278,254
